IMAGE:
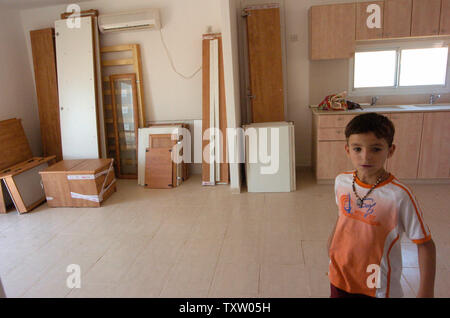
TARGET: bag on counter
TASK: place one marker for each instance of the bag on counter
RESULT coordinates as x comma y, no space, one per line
337,102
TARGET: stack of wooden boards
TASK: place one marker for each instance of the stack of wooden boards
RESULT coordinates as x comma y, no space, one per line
160,156
215,168
19,169
79,183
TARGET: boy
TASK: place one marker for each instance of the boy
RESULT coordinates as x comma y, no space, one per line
375,209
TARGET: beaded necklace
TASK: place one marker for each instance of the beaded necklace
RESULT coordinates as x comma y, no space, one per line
359,200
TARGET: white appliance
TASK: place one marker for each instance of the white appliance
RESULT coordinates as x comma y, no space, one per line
130,20
270,157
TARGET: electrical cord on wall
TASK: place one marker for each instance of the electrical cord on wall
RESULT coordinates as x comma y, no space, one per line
171,61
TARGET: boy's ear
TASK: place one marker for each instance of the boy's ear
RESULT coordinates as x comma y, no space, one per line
347,149
391,150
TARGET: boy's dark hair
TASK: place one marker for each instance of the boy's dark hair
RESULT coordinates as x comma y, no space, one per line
380,125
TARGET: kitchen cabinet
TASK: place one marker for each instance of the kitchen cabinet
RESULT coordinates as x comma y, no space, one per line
422,142
425,17
332,31
397,18
408,132
445,18
434,162
363,32
329,156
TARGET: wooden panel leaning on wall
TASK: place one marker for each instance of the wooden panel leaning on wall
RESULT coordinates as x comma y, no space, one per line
44,62
223,171
265,63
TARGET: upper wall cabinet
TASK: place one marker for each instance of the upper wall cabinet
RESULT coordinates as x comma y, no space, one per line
445,18
369,20
425,17
332,31
397,18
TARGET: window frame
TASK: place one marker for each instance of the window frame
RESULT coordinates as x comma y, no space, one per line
397,46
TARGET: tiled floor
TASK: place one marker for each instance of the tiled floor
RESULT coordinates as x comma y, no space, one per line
195,241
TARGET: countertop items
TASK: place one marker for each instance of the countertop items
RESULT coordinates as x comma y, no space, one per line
386,109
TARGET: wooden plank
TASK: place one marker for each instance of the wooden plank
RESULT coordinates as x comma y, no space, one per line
265,65
117,48
158,168
15,194
83,13
24,166
44,62
140,84
206,106
425,17
117,62
14,143
224,166
206,122
3,207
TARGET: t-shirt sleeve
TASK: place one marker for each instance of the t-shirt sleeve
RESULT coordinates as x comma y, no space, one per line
411,218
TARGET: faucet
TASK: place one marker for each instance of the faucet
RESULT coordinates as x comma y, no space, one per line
374,100
434,98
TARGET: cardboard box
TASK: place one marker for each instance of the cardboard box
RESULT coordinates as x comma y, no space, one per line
79,183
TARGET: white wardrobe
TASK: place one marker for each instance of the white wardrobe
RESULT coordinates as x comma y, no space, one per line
79,88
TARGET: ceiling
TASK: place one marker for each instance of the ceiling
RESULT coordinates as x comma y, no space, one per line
26,4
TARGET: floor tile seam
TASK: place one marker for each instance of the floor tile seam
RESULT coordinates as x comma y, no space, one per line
39,278
217,261
166,275
134,261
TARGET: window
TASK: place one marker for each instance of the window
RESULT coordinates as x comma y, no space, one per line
401,69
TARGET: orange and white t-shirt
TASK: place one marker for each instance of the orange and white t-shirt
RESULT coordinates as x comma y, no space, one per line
367,240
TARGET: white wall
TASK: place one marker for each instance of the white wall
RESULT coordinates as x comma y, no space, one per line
167,95
16,80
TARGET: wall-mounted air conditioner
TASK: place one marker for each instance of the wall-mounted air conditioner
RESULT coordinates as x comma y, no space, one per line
130,20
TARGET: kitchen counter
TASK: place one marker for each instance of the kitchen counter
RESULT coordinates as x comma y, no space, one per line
385,109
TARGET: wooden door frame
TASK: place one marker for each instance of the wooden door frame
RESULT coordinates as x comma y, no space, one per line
133,78
246,111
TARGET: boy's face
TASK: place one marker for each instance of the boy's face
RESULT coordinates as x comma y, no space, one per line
368,153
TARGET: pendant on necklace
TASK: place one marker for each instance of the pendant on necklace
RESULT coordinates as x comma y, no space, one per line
359,203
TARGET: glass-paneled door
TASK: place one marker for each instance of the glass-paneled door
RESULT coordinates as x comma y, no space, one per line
125,113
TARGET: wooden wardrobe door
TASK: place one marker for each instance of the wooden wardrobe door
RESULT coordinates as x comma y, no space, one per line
265,64
44,61
158,168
